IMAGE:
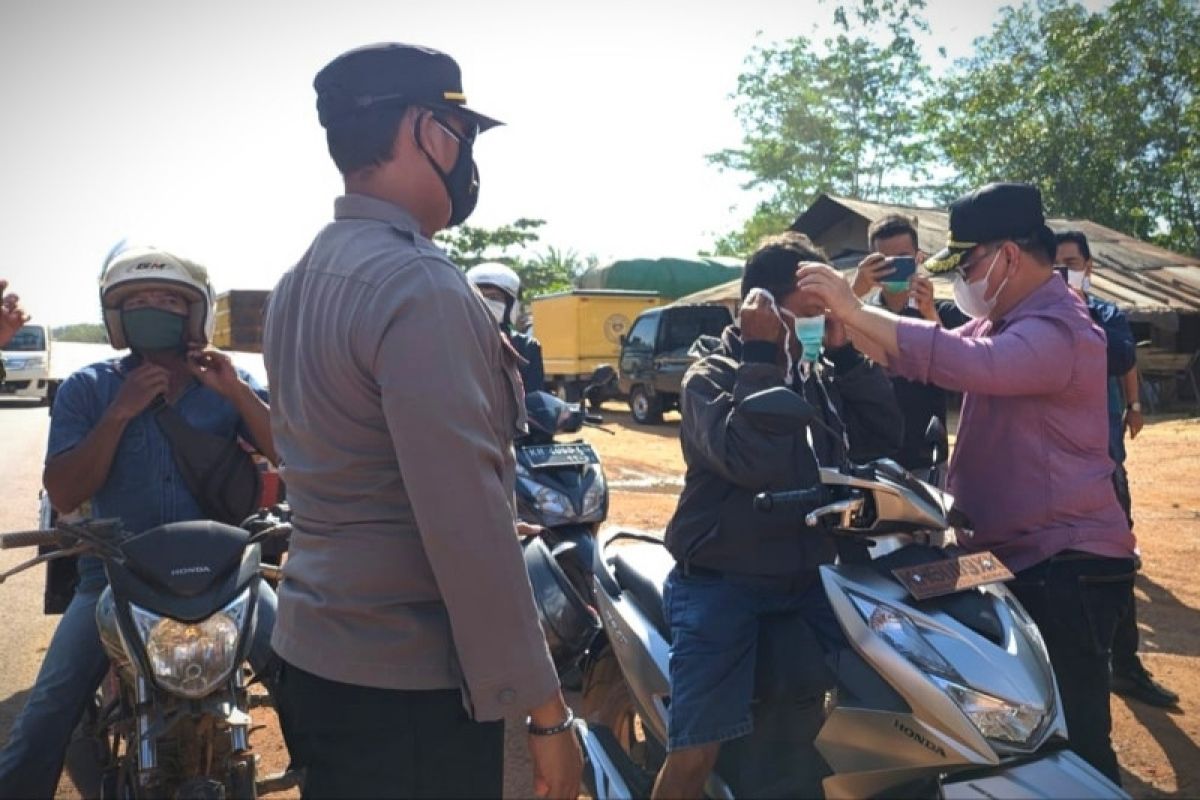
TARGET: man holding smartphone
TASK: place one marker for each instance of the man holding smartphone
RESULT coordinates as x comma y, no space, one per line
892,268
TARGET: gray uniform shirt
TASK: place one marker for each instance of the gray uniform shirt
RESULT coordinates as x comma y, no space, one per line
394,401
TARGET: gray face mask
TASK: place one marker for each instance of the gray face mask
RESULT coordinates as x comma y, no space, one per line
497,307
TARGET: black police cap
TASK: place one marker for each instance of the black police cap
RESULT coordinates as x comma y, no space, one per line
990,214
394,74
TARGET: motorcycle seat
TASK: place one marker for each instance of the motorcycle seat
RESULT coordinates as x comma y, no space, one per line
641,571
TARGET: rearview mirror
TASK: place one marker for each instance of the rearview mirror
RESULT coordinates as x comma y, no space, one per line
935,434
777,411
603,375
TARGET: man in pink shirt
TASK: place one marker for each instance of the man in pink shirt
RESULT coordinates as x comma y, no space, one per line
1030,467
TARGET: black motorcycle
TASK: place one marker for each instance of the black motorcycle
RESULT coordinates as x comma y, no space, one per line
176,621
561,488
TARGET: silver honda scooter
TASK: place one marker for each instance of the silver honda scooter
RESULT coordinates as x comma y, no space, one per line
944,690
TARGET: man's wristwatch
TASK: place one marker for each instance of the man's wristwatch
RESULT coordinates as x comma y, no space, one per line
1134,407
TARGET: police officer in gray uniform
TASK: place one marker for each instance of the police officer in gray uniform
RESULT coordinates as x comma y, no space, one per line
406,626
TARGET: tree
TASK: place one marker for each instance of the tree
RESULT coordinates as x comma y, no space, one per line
842,117
80,332
467,245
1100,111
552,270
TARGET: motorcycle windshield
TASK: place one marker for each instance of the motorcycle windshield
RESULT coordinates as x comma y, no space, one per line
547,414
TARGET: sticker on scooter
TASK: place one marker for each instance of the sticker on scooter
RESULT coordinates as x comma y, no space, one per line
952,575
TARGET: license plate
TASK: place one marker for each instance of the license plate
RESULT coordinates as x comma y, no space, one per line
541,456
938,578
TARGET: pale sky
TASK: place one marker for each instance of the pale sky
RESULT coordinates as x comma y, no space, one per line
192,126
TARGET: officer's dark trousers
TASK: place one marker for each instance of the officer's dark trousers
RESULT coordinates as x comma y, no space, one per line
357,741
1077,599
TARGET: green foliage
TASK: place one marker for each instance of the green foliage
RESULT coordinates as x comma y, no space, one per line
842,117
1099,110
552,270
765,222
80,332
468,245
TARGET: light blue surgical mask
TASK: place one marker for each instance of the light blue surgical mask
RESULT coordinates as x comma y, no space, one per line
811,333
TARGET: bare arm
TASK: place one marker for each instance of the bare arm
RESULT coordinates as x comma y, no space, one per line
257,416
1133,419
215,370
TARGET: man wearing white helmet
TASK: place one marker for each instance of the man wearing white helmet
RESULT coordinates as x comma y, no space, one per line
501,289
106,447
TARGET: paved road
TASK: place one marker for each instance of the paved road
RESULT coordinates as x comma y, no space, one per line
25,631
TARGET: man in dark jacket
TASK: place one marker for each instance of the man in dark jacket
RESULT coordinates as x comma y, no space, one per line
733,565
890,237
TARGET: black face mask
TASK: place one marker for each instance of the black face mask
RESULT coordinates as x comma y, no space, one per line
153,329
461,182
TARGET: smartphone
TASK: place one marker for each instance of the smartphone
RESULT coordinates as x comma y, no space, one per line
904,267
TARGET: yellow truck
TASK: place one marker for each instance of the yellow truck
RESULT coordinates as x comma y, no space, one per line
239,319
582,329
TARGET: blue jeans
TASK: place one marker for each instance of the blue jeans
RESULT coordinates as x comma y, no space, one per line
715,623
72,670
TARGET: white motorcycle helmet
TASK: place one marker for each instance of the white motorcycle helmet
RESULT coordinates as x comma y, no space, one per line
136,268
503,278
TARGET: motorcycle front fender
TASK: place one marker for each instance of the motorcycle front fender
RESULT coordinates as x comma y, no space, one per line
1053,775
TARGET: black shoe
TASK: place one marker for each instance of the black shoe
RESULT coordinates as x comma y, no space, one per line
1138,684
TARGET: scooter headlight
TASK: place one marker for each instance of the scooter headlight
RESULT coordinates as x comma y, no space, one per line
593,499
554,506
899,630
996,718
192,659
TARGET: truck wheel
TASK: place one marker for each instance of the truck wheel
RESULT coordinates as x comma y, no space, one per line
645,407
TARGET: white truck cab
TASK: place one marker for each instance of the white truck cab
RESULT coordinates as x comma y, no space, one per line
27,364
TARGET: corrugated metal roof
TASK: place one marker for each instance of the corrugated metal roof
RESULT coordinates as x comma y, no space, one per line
1138,276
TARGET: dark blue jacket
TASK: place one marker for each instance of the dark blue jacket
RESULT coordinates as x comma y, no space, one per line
533,373
1122,350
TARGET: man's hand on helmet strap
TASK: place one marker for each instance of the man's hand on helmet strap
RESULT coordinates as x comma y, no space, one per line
215,370
141,386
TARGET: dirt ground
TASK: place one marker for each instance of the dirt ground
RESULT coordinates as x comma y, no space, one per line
1159,750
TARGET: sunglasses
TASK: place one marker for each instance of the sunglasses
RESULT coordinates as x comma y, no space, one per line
962,269
468,136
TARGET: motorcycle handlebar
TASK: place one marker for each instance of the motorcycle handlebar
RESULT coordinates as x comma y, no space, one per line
9,541
768,502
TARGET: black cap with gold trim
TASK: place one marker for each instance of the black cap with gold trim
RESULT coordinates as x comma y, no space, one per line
391,73
989,214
